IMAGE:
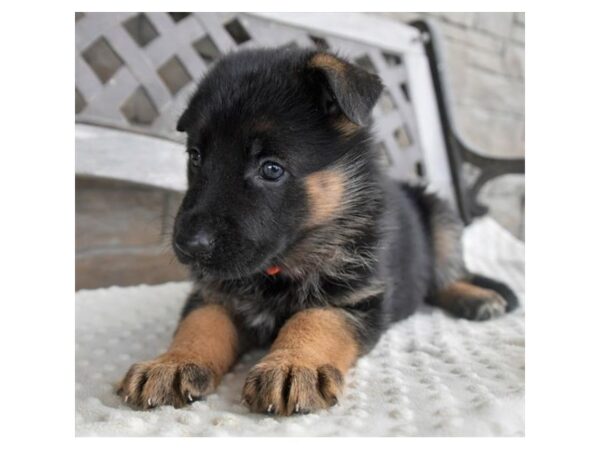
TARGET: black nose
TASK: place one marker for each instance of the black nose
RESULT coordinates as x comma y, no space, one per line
200,242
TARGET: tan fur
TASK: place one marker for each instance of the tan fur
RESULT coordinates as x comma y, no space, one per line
461,289
346,126
318,336
327,62
209,335
304,369
470,302
325,190
330,64
203,349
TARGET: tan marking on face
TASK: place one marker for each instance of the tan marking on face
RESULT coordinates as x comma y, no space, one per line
209,336
346,126
325,61
325,191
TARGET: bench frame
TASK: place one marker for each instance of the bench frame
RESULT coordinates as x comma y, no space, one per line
458,150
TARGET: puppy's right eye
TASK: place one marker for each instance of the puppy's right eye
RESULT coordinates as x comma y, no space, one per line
271,171
194,156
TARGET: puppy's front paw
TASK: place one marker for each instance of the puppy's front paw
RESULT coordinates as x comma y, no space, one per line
170,379
285,384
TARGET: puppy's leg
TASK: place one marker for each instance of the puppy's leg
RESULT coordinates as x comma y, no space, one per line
468,301
465,295
304,370
204,347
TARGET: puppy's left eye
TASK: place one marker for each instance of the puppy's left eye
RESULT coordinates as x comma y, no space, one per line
194,156
271,171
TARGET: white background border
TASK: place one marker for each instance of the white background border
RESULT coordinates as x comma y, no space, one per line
562,233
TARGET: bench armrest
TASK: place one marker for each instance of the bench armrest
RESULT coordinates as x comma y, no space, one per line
458,150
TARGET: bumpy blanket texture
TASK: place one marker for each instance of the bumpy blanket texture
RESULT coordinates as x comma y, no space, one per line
430,375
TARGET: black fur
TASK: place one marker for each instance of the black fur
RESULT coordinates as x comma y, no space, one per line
278,105
288,209
375,257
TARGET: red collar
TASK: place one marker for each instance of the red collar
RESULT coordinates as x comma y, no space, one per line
273,270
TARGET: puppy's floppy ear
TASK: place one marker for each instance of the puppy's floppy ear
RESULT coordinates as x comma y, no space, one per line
355,90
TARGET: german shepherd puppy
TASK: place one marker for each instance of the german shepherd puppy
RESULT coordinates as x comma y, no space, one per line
296,239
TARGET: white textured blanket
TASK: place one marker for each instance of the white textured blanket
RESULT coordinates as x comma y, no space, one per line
430,375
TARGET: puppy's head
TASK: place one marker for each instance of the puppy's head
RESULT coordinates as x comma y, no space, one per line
265,129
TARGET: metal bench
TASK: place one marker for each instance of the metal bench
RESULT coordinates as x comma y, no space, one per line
135,72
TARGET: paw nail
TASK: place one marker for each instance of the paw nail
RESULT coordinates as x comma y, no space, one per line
297,408
270,409
126,398
190,398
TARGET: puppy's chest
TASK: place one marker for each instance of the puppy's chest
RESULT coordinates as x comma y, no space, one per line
263,316
260,320
262,311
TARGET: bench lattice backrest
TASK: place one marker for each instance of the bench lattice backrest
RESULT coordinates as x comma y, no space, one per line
136,71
